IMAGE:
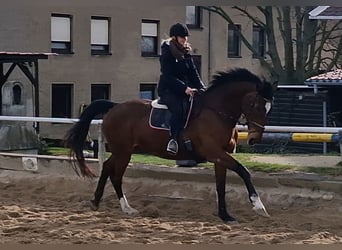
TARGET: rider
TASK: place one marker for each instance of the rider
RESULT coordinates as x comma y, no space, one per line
179,79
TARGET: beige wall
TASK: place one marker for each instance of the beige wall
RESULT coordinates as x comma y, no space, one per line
27,28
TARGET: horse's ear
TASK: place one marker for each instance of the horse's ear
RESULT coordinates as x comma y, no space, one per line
275,85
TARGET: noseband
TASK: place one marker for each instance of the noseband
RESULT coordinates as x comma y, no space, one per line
250,111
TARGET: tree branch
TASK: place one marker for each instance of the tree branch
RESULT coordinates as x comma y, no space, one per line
318,43
288,46
222,13
253,18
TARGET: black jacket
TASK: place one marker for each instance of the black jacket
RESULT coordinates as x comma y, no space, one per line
176,75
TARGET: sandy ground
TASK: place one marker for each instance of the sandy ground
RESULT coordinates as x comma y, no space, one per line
54,209
300,160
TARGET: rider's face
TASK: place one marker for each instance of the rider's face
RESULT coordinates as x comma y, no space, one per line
182,39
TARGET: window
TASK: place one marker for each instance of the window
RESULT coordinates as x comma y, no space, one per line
100,91
17,95
61,34
99,35
259,41
234,41
61,100
193,16
149,38
148,91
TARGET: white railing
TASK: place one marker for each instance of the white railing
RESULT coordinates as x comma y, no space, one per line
43,119
101,143
296,129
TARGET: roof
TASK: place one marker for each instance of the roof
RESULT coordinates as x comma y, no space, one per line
22,56
293,86
326,12
328,78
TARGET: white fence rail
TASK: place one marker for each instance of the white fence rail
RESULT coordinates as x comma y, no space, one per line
296,129
240,127
101,144
43,119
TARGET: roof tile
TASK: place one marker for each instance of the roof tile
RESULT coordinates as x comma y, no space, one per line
334,76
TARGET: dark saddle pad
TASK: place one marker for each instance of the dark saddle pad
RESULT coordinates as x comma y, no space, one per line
160,117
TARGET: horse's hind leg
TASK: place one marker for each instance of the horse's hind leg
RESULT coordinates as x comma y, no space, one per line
121,162
108,165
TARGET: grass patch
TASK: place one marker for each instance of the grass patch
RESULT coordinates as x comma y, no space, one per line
243,158
153,160
268,167
58,151
335,171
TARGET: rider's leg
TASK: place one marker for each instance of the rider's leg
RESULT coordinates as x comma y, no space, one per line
175,106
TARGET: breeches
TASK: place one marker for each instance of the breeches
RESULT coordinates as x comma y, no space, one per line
175,105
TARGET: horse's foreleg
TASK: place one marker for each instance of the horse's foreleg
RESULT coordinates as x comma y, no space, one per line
116,179
254,198
220,175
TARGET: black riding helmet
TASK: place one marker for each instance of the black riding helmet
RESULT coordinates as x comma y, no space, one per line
179,29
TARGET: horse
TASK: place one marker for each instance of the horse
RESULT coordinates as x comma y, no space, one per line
211,130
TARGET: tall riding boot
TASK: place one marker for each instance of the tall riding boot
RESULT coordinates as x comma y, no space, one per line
172,146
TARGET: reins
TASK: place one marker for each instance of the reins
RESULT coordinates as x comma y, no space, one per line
223,115
228,116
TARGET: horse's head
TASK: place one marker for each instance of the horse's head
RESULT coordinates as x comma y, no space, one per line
255,107
240,86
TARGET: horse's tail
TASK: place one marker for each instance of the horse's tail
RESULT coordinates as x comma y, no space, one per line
76,136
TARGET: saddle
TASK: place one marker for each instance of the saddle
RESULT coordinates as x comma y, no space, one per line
160,115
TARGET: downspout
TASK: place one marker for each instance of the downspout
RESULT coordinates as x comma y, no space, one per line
2,81
209,45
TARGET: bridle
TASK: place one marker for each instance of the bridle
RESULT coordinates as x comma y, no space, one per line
250,111
234,119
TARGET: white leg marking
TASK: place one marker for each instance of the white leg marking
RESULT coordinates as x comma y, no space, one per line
126,208
258,207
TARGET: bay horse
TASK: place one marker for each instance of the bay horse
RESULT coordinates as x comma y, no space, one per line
211,129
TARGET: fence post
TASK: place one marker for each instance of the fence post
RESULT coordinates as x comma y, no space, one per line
101,145
340,141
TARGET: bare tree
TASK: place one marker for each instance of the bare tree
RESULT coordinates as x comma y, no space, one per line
310,46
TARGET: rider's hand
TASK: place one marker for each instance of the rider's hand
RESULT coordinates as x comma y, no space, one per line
190,91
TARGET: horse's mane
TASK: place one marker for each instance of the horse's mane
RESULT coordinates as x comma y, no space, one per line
233,75
241,75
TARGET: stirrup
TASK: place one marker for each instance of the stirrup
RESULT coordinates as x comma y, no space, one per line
172,147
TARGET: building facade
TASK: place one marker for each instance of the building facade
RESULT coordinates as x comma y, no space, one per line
111,51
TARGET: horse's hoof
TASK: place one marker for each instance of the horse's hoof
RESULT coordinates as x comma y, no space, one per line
231,222
228,219
261,211
258,207
131,211
93,206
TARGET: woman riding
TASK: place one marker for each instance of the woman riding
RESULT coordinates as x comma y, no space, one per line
179,79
